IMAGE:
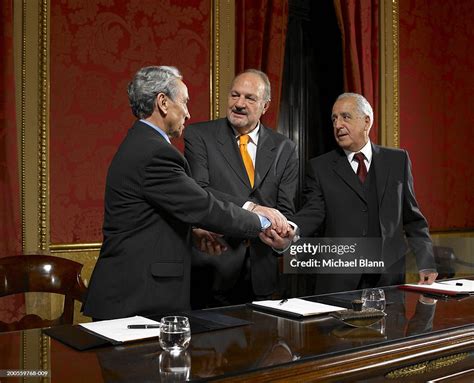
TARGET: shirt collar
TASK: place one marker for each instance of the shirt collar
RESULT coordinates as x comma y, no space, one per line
253,135
366,150
157,129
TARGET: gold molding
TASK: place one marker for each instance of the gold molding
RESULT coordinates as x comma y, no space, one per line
427,366
28,34
43,126
44,358
395,74
389,74
23,128
214,60
222,55
72,247
469,233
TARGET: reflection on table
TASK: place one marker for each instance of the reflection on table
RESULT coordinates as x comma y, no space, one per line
416,329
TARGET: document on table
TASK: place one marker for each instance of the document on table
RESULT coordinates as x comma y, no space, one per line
448,287
117,330
296,307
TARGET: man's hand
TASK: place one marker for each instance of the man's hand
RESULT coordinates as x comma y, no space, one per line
427,277
271,238
278,220
208,242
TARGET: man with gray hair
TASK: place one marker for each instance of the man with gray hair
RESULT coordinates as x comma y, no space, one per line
240,160
151,203
362,190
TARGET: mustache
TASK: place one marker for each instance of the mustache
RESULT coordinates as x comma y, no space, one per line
241,112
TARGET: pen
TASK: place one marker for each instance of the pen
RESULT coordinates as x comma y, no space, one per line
137,326
283,301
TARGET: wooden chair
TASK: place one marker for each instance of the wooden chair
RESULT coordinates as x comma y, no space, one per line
41,273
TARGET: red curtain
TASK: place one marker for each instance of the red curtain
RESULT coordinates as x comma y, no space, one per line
12,307
359,24
260,43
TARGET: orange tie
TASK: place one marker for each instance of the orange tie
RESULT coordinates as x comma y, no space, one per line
243,141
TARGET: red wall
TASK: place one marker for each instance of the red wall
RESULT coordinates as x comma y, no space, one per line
96,47
436,108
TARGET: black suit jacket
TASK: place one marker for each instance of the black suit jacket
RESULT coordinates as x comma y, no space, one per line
335,206
212,152
150,204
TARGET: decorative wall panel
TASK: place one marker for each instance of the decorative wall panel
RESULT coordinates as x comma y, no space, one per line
436,113
96,47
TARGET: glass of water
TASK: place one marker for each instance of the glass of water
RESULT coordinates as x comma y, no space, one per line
175,333
373,299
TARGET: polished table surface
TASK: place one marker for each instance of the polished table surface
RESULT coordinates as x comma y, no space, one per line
419,339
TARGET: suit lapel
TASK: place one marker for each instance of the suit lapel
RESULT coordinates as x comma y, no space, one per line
344,170
265,157
382,171
230,152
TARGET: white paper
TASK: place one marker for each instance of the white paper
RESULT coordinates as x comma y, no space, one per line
466,284
299,306
458,286
117,330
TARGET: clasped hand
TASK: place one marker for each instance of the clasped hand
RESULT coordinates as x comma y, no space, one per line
278,242
279,235
208,242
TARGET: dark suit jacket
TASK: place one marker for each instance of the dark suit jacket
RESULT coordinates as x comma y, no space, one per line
150,204
335,206
212,152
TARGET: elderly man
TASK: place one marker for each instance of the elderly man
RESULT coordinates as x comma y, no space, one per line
366,191
240,160
151,202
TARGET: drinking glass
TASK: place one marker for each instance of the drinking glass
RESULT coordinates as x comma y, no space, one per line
175,366
175,333
373,299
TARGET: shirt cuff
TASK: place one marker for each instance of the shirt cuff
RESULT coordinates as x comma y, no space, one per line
248,205
296,229
264,222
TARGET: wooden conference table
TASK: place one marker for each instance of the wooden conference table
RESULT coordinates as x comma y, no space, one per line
417,341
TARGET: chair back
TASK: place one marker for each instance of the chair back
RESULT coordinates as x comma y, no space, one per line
41,273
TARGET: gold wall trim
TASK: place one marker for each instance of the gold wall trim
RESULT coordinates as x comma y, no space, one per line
222,55
214,60
29,22
389,74
68,247
45,359
23,128
452,233
395,74
43,126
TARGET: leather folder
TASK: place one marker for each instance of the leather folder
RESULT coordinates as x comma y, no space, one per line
201,321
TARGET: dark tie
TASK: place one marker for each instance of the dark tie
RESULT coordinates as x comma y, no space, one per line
361,169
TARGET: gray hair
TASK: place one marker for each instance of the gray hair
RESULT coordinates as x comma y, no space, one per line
363,106
147,83
267,90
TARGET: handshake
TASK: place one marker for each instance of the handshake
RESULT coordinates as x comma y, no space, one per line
278,235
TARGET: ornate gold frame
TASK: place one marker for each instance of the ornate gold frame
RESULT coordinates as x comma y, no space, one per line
389,74
34,111
222,65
